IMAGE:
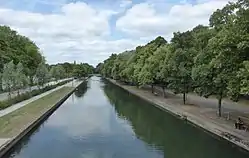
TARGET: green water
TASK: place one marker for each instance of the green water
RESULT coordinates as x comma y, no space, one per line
101,120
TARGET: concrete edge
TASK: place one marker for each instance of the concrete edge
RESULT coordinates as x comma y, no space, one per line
12,142
191,119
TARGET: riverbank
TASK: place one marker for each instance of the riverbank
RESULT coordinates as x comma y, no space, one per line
25,102
29,94
202,117
5,95
18,123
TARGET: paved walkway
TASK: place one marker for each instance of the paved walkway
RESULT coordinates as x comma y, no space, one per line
202,116
211,102
3,141
25,102
4,96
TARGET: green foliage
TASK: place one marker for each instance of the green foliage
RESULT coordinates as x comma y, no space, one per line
209,60
243,74
9,76
42,74
17,48
21,79
82,70
57,72
62,70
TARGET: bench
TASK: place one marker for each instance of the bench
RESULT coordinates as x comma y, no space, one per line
245,120
234,117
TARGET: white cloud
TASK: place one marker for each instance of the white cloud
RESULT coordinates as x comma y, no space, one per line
143,20
67,36
81,32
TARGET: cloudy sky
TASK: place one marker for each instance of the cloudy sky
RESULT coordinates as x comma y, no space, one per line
91,30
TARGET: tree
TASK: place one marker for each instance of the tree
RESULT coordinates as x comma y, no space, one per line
98,68
21,80
243,74
57,72
42,74
150,73
180,63
108,65
18,48
120,64
163,74
8,76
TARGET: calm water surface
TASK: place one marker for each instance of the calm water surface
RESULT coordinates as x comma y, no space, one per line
101,120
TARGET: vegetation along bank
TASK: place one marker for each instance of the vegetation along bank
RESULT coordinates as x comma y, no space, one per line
208,60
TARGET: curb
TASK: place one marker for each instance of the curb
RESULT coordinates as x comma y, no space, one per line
180,114
10,144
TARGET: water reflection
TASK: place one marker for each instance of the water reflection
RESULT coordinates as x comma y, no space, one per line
81,90
174,137
23,144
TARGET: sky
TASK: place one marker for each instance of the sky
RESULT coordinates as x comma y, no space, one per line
91,30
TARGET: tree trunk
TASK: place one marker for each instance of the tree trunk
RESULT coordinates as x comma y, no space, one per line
219,105
152,88
18,92
31,80
184,93
163,91
184,98
1,85
137,85
9,92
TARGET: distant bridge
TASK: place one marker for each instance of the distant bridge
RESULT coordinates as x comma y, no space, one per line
98,75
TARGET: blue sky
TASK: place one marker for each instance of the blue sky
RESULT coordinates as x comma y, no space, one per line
91,30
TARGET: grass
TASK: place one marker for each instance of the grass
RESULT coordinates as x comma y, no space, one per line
16,121
27,95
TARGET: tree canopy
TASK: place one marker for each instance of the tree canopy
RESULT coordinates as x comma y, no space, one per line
208,60
19,49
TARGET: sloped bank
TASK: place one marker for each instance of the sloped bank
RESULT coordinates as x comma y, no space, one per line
209,126
16,139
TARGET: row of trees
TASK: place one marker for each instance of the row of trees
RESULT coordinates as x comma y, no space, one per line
22,64
14,78
73,69
19,49
209,60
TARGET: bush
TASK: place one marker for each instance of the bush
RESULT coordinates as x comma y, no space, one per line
24,96
4,104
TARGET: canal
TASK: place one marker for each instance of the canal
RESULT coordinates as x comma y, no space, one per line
101,120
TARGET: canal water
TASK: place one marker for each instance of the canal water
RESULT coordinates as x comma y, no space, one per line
101,120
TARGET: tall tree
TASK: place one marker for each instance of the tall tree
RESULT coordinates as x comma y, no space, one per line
18,48
42,74
21,80
8,77
57,72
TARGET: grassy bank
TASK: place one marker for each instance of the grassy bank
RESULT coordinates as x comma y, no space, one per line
27,95
15,122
